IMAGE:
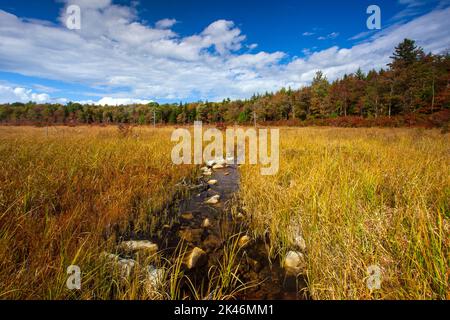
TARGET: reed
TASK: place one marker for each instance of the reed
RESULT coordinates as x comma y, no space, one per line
359,197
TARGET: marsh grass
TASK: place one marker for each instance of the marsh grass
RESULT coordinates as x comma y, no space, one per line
63,194
359,197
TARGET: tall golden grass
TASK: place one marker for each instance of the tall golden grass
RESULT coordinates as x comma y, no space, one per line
61,188
359,197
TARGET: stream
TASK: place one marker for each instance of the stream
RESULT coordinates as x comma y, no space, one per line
209,227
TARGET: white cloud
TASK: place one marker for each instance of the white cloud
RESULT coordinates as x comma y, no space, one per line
332,35
165,23
18,94
416,7
90,4
307,34
114,51
110,101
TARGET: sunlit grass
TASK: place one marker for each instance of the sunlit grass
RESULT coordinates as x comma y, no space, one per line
61,190
359,197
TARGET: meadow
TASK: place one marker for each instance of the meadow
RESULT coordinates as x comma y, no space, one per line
61,189
358,197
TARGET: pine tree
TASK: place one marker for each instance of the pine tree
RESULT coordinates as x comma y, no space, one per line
406,53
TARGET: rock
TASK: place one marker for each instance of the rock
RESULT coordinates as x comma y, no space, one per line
212,242
226,174
213,200
144,245
154,280
204,169
220,161
299,243
212,182
206,223
196,258
187,216
191,235
244,241
210,163
207,173
218,166
230,160
125,266
294,263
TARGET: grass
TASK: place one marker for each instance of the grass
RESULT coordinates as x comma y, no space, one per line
359,197
62,189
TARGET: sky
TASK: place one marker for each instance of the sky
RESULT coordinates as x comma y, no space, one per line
129,51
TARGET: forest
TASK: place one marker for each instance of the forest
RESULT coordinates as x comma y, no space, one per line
413,89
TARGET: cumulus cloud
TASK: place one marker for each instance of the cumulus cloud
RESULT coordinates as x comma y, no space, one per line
10,93
114,52
18,94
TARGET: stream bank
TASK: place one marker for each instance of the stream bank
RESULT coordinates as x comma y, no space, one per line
216,246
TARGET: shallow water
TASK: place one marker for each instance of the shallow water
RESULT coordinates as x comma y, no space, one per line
183,222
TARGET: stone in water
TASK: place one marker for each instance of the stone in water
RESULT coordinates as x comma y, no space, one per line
213,200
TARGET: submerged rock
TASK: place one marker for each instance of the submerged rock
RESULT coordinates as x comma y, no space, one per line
226,174
294,263
212,242
191,235
187,216
196,258
212,182
213,200
218,166
207,173
206,223
142,245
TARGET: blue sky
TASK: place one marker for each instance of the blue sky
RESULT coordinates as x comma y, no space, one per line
138,51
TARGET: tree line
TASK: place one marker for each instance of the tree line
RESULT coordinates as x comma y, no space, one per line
414,82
